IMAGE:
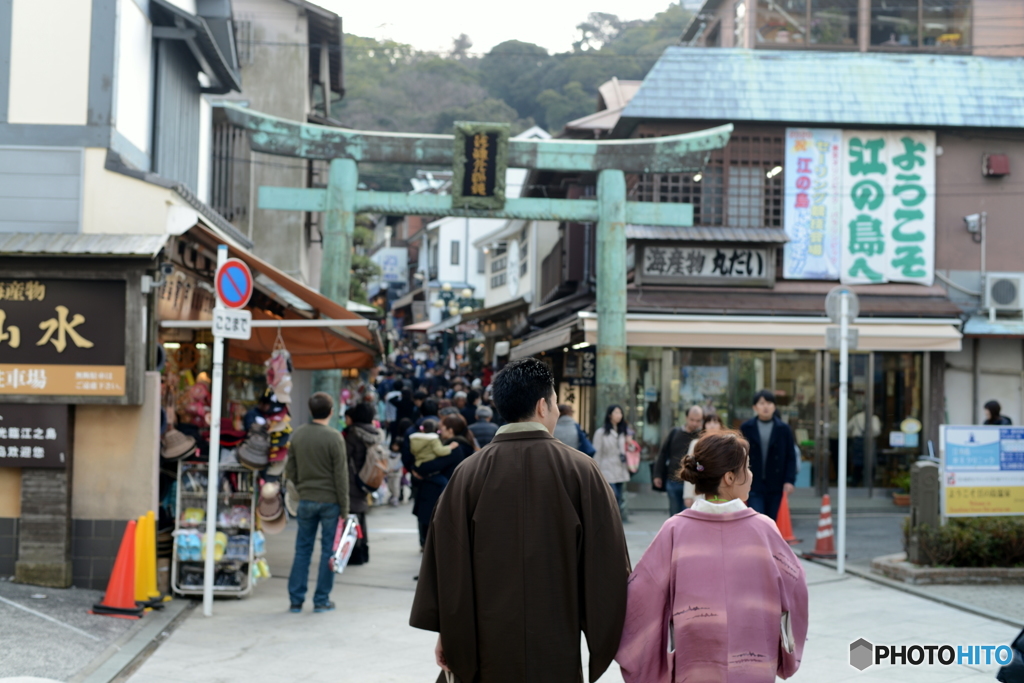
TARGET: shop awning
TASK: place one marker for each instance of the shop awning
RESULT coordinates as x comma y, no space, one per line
311,348
418,327
403,301
499,311
446,324
558,337
753,332
981,326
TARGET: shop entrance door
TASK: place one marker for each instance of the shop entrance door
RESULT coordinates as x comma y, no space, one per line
860,452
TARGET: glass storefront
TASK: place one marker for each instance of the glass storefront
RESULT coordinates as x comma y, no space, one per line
666,382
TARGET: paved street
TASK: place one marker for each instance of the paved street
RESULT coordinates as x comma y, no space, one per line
368,638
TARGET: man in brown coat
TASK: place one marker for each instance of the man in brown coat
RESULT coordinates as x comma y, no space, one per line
525,551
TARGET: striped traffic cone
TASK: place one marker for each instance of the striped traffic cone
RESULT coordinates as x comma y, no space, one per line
824,546
784,522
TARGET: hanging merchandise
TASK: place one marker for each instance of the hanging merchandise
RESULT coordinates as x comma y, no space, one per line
279,370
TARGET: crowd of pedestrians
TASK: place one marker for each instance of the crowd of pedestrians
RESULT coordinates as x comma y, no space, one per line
539,523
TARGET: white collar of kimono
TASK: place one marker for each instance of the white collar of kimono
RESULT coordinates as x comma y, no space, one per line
701,504
513,427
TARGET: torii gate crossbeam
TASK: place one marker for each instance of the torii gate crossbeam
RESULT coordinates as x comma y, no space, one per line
610,159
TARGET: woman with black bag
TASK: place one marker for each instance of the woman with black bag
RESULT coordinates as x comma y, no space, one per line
453,430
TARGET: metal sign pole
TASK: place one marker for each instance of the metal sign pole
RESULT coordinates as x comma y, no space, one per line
844,372
213,475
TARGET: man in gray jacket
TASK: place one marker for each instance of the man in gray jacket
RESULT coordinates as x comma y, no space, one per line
318,466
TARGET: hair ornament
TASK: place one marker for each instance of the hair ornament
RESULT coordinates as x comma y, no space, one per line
700,468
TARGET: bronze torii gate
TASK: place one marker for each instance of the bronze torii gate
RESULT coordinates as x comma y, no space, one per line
610,210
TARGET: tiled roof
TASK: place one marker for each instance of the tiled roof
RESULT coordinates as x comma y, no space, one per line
80,244
832,88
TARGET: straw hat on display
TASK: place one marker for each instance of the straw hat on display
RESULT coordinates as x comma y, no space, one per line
271,509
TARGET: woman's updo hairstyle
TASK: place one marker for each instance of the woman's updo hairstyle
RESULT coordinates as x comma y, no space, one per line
712,457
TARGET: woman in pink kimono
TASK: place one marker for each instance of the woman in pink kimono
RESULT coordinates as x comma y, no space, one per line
719,596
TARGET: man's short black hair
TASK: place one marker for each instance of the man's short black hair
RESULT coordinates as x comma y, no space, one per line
520,384
398,385
765,394
419,395
429,408
320,405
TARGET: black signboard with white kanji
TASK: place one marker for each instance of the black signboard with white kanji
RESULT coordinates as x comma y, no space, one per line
729,265
479,163
34,435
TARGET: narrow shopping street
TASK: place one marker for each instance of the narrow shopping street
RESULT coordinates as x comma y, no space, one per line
368,638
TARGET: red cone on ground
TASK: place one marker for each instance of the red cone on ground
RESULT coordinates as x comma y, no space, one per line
119,600
784,523
824,546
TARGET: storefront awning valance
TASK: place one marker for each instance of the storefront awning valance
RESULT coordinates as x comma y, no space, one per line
418,327
312,348
752,332
545,341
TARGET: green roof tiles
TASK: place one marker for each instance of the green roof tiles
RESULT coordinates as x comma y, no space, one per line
849,88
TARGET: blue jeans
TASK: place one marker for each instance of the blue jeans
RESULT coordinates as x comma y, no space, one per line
313,515
675,497
618,489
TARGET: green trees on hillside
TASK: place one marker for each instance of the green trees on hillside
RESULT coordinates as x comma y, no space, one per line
391,86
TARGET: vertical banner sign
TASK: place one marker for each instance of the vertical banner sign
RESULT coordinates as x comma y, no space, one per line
480,158
813,198
982,470
888,207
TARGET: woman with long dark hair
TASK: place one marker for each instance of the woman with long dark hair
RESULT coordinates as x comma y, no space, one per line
718,595
453,430
610,452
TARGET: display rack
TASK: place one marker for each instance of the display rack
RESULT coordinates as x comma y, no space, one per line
238,487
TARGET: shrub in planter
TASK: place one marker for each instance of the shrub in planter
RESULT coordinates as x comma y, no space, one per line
971,542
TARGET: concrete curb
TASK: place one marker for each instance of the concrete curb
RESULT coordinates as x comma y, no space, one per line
123,657
896,567
914,590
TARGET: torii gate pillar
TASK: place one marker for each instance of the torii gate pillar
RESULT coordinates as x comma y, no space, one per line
612,384
339,227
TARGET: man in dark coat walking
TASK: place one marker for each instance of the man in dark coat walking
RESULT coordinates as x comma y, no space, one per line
524,552
772,458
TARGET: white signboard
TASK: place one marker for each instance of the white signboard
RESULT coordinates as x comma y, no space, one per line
706,265
394,264
888,207
983,470
813,199
232,324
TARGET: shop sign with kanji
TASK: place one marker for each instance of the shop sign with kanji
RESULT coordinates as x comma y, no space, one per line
728,265
62,337
860,205
813,199
34,435
888,226
480,161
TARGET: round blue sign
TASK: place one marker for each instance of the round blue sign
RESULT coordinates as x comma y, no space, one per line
234,283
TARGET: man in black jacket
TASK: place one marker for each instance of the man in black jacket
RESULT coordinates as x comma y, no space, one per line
672,451
771,455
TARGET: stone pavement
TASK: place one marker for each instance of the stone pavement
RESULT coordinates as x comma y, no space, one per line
368,637
30,615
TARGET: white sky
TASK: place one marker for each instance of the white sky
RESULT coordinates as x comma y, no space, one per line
432,24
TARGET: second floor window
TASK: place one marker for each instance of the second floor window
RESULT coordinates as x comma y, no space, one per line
806,22
738,188
456,250
927,24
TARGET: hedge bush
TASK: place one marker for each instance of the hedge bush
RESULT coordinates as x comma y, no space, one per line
971,542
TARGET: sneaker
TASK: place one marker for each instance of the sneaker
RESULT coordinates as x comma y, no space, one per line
295,609
327,607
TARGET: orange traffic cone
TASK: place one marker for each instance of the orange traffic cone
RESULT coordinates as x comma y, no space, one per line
784,523
119,600
824,547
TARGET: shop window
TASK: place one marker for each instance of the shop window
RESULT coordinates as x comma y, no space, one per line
833,22
926,24
740,25
456,249
781,22
720,380
737,188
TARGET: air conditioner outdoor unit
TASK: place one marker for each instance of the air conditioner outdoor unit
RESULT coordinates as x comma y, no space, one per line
1003,291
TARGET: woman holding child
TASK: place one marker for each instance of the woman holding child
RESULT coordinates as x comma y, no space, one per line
435,462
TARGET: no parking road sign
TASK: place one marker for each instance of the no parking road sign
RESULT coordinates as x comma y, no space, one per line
234,283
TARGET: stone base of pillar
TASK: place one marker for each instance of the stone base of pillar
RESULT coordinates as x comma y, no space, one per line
48,574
